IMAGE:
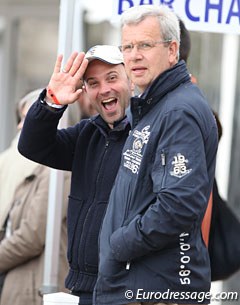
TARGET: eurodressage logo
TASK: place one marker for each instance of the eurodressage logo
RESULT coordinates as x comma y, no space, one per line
133,157
180,166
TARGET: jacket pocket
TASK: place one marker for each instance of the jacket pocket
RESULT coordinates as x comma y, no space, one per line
73,218
90,235
177,166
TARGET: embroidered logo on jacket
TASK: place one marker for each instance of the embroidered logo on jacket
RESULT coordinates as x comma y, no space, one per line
133,157
180,166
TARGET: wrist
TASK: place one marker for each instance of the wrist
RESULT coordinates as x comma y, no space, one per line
46,100
52,105
51,98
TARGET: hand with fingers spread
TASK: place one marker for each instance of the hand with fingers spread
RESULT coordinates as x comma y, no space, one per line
65,85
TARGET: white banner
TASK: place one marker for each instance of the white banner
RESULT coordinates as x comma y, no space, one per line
219,16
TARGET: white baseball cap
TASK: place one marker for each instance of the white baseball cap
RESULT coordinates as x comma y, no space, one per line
106,53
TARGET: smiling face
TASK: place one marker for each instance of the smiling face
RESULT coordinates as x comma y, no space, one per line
108,89
144,65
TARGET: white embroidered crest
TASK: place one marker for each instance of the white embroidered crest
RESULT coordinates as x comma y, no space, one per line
133,157
180,166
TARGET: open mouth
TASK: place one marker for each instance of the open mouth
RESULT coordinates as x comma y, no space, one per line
109,104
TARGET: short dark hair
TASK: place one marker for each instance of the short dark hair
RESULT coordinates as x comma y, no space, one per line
185,45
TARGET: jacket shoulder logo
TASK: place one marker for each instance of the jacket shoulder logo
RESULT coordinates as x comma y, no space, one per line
180,166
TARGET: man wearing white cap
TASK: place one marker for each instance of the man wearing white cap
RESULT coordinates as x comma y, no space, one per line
91,149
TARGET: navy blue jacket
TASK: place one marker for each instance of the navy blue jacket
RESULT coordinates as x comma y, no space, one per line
150,243
92,151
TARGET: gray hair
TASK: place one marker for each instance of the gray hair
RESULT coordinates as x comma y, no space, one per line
27,100
168,20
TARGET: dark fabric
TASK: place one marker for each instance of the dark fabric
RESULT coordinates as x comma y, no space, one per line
151,234
92,152
86,298
224,245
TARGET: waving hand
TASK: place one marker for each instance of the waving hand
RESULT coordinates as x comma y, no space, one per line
66,84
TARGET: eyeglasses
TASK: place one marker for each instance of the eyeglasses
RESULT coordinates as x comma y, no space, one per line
141,46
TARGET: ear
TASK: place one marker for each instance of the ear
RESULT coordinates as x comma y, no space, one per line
173,51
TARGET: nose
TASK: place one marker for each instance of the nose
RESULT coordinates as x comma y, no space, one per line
135,53
104,88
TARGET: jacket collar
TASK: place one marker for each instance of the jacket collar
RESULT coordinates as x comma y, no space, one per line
119,126
164,83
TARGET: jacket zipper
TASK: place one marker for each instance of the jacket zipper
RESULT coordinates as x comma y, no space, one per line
163,162
103,156
100,167
106,147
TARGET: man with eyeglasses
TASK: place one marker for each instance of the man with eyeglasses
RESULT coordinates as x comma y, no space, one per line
151,247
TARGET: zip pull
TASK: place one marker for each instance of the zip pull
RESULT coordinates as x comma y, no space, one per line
106,144
128,265
163,159
139,110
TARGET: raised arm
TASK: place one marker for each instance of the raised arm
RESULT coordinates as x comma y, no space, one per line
40,139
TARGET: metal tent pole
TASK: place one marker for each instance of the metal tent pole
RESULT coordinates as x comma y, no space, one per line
8,51
67,29
226,110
